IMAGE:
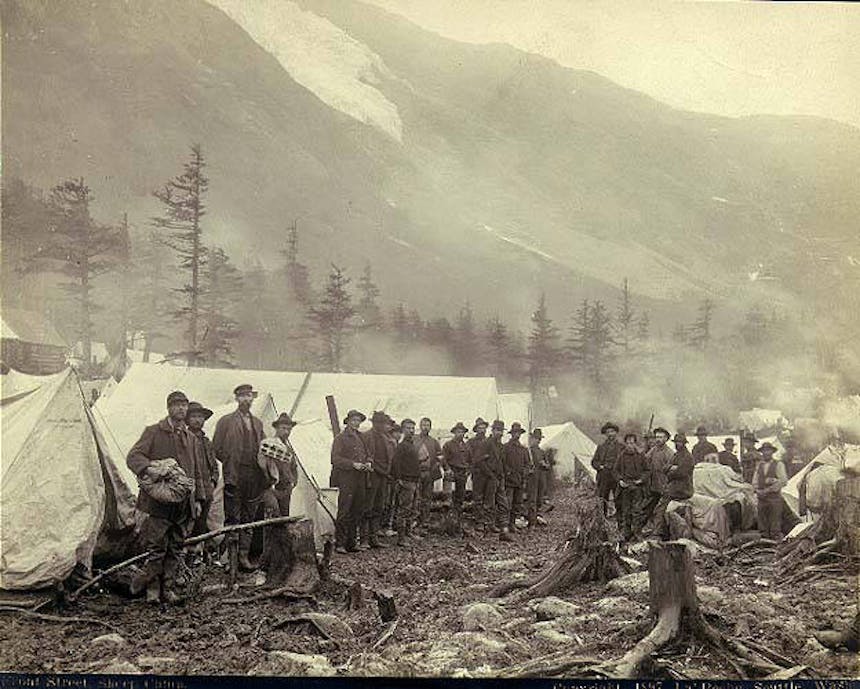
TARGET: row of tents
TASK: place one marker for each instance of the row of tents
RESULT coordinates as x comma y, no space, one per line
68,497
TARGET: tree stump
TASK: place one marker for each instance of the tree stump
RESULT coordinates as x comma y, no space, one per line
291,557
672,591
846,501
355,596
385,603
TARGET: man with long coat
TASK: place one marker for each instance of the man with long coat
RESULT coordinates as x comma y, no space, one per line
541,461
679,483
605,456
430,452
518,467
477,445
631,476
236,441
703,447
166,524
493,468
659,460
455,459
207,464
351,464
381,452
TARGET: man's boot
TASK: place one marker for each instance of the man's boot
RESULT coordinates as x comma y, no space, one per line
245,563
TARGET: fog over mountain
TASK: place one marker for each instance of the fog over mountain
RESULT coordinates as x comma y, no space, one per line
476,171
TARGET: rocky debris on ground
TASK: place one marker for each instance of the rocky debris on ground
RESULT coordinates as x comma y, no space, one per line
632,585
613,605
555,637
287,663
481,616
376,665
331,626
108,640
411,574
475,653
154,662
448,569
551,607
710,595
503,565
117,666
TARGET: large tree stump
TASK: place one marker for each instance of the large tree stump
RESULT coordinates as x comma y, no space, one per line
291,557
672,590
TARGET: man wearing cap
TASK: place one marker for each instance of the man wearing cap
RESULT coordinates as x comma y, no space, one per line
631,475
538,481
167,524
727,457
679,483
430,452
206,464
494,499
351,464
393,436
518,467
281,468
477,445
605,456
406,469
236,441
659,459
455,459
750,457
703,447
381,454
769,479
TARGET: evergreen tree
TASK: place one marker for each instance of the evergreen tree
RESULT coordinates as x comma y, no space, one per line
699,334
416,326
598,342
643,327
184,209
498,347
220,301
297,272
578,335
624,322
79,249
400,325
439,332
464,344
149,281
333,319
543,350
754,328
369,313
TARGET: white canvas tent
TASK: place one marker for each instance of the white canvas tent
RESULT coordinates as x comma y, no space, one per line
572,449
55,503
820,475
514,406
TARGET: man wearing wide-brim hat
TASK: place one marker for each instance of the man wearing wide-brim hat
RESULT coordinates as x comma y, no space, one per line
455,461
167,523
750,457
206,462
603,461
494,500
236,441
351,464
536,491
518,468
477,446
679,484
769,479
703,447
378,485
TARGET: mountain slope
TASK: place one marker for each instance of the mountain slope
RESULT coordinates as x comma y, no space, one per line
467,170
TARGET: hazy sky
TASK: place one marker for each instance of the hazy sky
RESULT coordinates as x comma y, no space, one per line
731,58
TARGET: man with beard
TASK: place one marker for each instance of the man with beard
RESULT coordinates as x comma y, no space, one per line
679,483
659,459
167,524
769,479
381,454
605,456
455,459
539,478
430,452
207,464
631,473
236,442
350,467
493,468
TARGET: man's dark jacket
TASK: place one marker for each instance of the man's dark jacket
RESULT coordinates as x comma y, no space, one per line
227,443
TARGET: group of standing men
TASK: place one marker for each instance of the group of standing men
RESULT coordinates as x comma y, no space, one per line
386,475
644,478
259,475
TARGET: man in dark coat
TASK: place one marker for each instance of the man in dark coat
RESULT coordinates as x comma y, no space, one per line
518,468
679,484
455,459
493,469
727,457
605,456
167,524
659,460
769,479
351,465
704,447
381,452
631,475
207,464
406,469
281,468
430,452
541,461
477,445
236,441
750,457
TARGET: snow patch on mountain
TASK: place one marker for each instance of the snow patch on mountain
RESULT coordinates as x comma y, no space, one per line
521,244
339,70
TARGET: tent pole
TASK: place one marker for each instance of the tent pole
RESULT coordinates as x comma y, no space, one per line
332,415
301,394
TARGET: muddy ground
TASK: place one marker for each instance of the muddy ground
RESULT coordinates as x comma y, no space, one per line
432,584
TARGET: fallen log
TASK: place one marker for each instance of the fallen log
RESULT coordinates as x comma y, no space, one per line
548,665
58,618
187,542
